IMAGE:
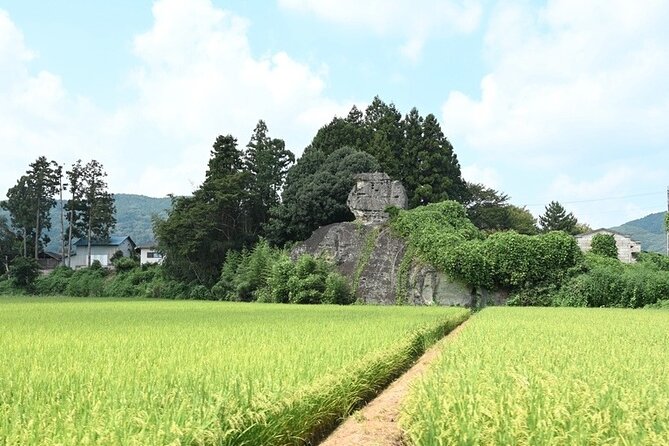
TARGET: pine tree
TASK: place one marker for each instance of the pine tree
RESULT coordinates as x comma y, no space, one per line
43,181
555,218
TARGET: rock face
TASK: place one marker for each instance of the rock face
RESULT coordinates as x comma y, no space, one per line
372,194
378,264
375,262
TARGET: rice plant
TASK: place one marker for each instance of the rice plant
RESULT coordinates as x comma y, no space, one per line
138,372
547,376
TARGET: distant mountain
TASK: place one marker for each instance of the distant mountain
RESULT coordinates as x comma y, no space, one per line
133,218
649,231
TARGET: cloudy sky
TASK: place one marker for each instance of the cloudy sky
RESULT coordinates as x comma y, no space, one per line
545,100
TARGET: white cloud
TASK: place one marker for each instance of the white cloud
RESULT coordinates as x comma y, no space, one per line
568,81
413,21
196,77
37,116
487,176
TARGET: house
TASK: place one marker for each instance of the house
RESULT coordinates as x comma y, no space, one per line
626,246
101,250
149,254
48,260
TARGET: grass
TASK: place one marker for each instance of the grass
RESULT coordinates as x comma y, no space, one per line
137,372
548,376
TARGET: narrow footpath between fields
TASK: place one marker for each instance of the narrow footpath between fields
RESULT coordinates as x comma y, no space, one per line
376,424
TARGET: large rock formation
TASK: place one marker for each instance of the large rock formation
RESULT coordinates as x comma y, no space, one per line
372,194
379,265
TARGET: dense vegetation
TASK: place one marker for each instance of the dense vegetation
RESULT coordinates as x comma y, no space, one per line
443,236
235,374
547,377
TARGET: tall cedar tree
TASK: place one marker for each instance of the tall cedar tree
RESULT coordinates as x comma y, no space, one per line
199,230
30,203
19,205
267,160
98,216
556,219
43,180
75,206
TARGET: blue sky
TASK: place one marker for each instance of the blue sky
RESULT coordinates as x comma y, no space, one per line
555,100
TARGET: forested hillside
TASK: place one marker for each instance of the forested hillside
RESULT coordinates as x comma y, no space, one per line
649,231
133,215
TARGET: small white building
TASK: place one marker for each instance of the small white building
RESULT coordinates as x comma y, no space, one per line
101,250
626,246
149,254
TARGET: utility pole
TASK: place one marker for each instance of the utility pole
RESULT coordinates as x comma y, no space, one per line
666,222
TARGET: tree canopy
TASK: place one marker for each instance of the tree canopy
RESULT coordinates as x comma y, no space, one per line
556,218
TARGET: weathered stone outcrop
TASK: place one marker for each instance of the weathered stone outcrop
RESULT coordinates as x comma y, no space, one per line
379,265
372,258
372,194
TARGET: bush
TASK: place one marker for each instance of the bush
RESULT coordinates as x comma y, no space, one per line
55,283
23,271
87,282
604,245
610,283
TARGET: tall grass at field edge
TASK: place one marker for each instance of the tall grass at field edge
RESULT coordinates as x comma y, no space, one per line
308,416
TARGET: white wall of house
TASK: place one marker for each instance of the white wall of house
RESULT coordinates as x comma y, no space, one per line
149,255
626,246
101,253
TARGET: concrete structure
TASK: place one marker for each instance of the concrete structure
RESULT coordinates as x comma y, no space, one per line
149,254
372,194
101,250
626,246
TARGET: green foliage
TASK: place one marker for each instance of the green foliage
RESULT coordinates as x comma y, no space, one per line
226,212
54,283
412,149
87,282
555,218
653,259
607,282
443,236
315,195
403,275
604,245
23,272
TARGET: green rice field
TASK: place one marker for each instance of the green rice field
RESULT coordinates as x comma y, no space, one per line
147,372
547,376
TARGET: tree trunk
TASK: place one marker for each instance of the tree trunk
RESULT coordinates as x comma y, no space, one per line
62,224
37,231
25,242
90,231
69,239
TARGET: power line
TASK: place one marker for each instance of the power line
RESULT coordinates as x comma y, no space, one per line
600,199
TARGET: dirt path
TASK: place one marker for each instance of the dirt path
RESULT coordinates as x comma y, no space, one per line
376,424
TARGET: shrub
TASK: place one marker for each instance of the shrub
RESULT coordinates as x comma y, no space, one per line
337,290
55,283
604,245
87,282
23,271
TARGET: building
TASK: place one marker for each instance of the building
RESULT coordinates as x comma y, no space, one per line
627,248
49,260
101,250
149,254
